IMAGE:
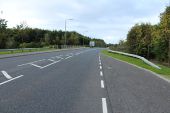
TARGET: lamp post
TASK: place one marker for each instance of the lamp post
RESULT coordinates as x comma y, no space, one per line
1,12
83,38
66,31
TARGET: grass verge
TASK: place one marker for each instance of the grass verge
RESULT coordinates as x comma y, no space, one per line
25,51
164,71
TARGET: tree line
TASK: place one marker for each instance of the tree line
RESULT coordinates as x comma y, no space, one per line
22,36
149,41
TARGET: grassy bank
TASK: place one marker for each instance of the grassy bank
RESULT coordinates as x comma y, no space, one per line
164,71
24,51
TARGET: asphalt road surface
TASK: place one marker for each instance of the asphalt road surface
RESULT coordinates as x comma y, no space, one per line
79,81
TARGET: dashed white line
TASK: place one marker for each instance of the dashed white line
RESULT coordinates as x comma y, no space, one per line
6,75
102,84
101,73
104,105
100,67
11,79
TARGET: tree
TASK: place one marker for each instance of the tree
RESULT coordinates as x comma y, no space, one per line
3,34
165,33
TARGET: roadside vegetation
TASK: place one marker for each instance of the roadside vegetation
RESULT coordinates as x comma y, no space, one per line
23,36
149,41
164,71
25,50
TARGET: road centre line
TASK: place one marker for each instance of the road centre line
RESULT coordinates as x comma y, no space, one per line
100,67
11,79
104,105
102,84
101,73
6,75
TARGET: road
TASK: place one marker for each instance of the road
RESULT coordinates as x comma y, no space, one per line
79,81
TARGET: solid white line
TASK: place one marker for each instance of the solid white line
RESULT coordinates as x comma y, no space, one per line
36,65
100,67
50,64
11,79
6,75
32,62
101,73
68,57
104,105
51,60
102,84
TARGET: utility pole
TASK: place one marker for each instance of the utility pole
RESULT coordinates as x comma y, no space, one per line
65,43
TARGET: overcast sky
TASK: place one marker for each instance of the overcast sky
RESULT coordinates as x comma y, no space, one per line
106,19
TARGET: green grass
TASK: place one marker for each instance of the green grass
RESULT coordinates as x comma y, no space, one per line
164,71
24,51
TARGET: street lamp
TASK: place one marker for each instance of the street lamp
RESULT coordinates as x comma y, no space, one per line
66,30
1,12
83,38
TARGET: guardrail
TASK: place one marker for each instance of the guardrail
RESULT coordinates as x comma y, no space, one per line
136,56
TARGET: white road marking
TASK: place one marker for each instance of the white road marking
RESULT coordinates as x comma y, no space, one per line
101,73
77,53
104,105
100,63
6,75
68,57
50,64
57,57
100,67
11,79
31,62
36,65
51,60
102,84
